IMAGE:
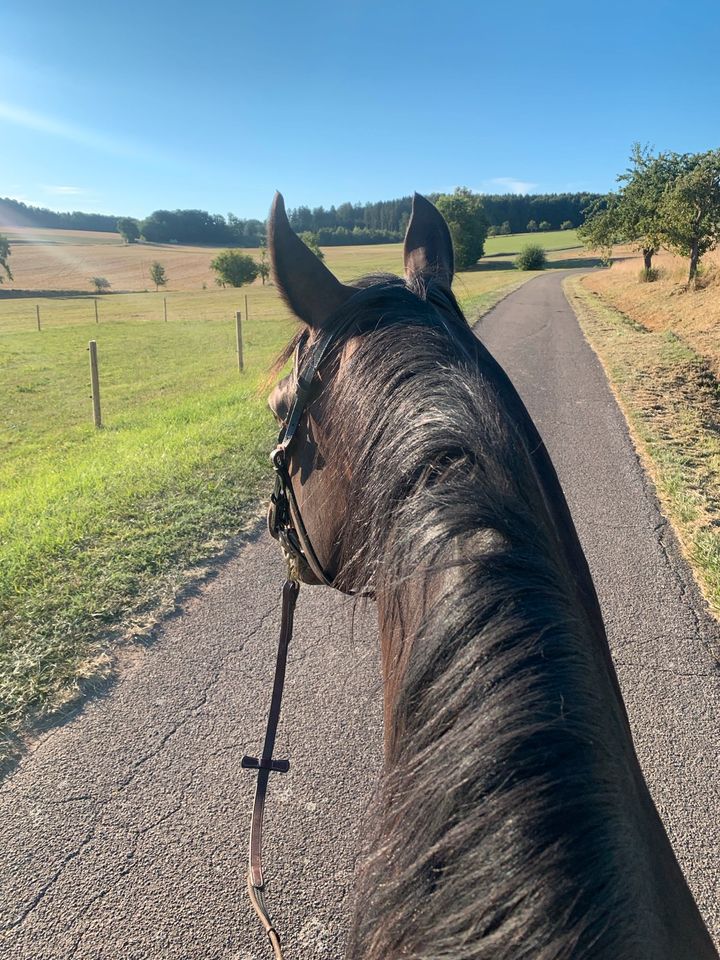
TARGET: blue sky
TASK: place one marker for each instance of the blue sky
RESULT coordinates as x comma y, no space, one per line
130,107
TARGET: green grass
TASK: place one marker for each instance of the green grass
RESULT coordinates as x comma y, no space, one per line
98,529
512,244
671,398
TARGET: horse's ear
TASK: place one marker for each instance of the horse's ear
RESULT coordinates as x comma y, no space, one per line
428,245
305,283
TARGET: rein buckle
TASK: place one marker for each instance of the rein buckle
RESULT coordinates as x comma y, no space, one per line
275,766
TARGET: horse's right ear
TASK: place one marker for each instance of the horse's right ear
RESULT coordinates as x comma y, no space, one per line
305,283
428,244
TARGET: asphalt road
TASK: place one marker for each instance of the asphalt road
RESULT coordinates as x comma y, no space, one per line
124,830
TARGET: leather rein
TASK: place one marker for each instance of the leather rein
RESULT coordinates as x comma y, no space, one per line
286,525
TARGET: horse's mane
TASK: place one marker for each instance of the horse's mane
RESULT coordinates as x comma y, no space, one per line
504,825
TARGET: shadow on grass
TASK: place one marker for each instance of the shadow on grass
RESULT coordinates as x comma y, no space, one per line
58,294
576,263
492,263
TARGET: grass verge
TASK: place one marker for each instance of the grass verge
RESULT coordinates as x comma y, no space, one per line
669,395
99,529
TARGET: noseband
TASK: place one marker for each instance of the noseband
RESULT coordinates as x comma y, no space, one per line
286,525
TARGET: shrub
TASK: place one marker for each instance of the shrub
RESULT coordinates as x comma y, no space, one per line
101,284
567,225
649,275
531,257
544,225
532,226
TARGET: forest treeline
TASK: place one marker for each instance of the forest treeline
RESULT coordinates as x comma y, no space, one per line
348,223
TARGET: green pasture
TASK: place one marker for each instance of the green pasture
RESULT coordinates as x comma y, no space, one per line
514,242
99,528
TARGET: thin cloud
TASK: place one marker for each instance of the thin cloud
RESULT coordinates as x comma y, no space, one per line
61,191
67,131
511,185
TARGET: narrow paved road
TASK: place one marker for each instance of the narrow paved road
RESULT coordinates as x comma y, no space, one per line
124,832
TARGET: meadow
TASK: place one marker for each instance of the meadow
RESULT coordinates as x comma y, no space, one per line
100,529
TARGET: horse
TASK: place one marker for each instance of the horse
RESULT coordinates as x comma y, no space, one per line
512,820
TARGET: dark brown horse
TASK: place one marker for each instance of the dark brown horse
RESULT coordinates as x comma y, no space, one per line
512,821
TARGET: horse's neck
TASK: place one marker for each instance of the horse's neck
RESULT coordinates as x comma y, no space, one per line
660,894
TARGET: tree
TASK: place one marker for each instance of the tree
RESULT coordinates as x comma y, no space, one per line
311,241
263,266
234,269
128,229
464,214
4,254
544,225
504,229
532,226
600,230
101,284
690,209
567,225
158,275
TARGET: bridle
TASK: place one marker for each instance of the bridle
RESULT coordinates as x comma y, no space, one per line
285,525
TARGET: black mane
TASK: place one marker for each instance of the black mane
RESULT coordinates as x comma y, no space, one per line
502,828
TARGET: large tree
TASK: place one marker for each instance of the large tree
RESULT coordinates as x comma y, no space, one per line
234,269
635,214
128,229
4,254
463,211
691,207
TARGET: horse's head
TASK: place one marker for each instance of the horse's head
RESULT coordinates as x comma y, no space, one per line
334,318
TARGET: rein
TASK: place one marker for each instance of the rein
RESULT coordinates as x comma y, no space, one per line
285,525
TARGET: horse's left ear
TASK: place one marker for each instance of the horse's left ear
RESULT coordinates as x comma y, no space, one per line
305,283
428,244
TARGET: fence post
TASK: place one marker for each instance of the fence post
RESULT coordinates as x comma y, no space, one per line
95,381
165,307
37,313
96,312
238,331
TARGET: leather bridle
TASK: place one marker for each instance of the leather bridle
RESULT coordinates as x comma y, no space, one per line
286,525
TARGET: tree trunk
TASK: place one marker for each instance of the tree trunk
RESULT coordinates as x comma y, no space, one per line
648,253
694,260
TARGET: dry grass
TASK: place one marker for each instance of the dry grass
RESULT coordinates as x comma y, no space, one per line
671,399
667,304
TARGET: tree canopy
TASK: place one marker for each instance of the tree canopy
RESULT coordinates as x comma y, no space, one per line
691,207
234,269
670,200
463,211
128,229
4,254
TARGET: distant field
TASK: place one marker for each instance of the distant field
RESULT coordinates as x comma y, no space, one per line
552,240
65,260
99,528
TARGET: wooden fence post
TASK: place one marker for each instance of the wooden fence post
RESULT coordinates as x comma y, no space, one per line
238,331
95,381
97,320
37,314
